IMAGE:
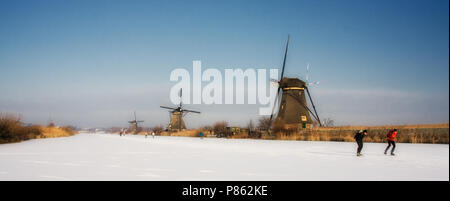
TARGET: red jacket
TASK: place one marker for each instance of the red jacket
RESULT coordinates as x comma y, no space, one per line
392,135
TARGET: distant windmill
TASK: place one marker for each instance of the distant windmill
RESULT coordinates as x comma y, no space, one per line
293,110
177,115
134,127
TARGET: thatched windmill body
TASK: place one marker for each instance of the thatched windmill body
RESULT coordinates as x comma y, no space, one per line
293,110
177,115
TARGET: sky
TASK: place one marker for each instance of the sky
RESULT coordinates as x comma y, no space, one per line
92,63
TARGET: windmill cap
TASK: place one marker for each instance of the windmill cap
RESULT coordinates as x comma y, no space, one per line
292,82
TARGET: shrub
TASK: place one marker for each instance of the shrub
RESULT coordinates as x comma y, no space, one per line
12,130
158,129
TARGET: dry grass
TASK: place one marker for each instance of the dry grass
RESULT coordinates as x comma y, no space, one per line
12,130
427,133
185,133
49,132
443,125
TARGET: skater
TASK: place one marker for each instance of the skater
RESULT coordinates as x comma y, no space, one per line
201,135
359,136
391,137
121,132
153,135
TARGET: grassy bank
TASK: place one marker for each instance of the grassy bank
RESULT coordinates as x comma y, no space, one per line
431,133
12,130
423,133
186,133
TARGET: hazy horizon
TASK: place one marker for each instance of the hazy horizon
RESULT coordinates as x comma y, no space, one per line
93,63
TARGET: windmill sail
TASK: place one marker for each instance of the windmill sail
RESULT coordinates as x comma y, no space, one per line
177,115
282,75
134,125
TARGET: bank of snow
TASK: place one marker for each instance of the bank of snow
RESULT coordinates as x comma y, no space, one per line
111,157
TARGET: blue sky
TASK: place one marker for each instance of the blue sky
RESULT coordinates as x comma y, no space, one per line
91,63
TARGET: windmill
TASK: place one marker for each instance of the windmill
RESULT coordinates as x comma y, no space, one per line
293,109
134,127
177,115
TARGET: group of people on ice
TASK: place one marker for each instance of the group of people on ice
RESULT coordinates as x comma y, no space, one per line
125,131
390,137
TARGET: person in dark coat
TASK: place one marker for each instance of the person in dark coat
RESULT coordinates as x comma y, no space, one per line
359,136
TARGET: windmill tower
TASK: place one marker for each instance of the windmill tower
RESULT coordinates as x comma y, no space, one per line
177,115
293,109
134,127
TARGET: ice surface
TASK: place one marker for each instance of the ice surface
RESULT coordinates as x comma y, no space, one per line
111,157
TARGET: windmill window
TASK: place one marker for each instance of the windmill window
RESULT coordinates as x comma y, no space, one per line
304,118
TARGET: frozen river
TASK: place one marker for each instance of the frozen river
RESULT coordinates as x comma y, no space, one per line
111,157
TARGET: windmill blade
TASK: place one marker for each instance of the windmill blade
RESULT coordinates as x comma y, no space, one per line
140,121
191,111
284,60
308,83
307,72
281,78
274,82
313,83
314,107
179,122
275,104
181,97
170,108
305,106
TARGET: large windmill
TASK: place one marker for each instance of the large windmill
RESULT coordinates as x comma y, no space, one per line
177,115
134,127
293,111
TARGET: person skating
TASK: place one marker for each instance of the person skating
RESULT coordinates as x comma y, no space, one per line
359,136
391,137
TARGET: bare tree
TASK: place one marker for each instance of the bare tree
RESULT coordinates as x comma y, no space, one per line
264,123
251,126
328,122
158,129
220,128
208,129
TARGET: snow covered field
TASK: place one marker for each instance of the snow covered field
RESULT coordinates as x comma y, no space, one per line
111,157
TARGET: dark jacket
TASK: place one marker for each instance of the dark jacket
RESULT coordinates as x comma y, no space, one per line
359,137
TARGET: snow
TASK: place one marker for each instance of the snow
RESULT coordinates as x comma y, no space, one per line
130,157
